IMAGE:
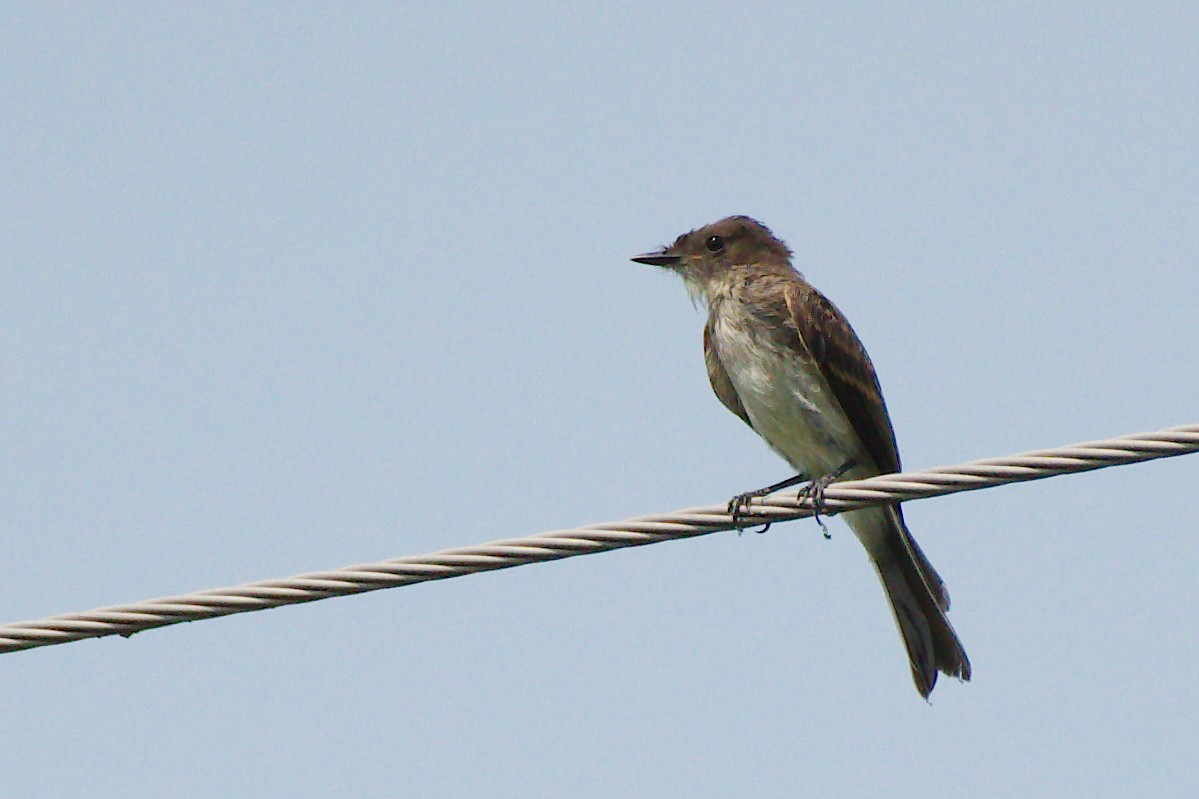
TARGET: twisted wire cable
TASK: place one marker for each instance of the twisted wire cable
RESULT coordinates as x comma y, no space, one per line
126,620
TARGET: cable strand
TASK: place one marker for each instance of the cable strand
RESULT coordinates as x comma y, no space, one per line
126,620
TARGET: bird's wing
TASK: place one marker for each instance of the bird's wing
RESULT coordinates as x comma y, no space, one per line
836,349
847,369
719,378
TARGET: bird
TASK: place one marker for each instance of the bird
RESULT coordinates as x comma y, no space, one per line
785,360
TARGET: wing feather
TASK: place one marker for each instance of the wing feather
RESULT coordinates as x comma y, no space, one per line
719,377
847,369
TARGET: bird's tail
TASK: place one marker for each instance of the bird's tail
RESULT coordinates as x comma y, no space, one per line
918,600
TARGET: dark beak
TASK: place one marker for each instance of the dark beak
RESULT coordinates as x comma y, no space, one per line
657,259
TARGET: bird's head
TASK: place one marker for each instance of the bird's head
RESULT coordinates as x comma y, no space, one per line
708,256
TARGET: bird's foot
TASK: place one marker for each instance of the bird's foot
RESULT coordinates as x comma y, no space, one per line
739,506
814,492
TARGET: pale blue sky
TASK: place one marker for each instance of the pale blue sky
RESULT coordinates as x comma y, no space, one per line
287,287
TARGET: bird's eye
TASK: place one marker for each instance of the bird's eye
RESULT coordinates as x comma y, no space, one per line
715,243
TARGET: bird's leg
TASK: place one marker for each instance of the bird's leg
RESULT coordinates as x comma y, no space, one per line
739,504
814,491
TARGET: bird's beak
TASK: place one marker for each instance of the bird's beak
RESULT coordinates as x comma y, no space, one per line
659,258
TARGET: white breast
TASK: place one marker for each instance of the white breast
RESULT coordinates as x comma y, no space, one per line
785,396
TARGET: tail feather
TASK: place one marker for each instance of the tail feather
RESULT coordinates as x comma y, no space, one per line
933,580
918,598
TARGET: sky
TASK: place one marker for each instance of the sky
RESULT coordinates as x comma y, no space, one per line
287,287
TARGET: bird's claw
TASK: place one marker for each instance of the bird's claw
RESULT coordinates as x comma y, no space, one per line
739,506
814,492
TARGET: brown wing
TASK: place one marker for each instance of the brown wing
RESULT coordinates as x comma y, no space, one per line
719,378
847,369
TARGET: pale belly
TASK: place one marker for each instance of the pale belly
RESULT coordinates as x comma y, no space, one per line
787,400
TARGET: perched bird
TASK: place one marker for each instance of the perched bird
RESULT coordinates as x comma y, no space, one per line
784,359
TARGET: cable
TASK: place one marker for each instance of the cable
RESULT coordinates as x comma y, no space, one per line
839,497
